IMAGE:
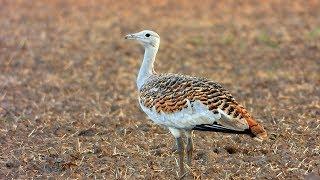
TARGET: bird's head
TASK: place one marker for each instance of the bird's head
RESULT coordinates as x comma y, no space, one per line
146,37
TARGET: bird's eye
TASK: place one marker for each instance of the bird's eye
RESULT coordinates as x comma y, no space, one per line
147,35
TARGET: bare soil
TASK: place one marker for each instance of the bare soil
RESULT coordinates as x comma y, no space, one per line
68,99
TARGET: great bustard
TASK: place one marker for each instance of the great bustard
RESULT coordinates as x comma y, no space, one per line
184,103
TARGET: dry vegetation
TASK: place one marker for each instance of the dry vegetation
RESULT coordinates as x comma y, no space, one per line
68,101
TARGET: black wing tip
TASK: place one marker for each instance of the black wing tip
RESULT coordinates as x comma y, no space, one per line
215,128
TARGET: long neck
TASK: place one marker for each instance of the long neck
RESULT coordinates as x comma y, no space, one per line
146,69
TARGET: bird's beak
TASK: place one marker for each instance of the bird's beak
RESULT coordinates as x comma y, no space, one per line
130,36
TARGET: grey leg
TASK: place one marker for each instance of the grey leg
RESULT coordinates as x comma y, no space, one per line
189,148
180,150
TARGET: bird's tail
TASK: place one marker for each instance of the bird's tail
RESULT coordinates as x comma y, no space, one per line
256,129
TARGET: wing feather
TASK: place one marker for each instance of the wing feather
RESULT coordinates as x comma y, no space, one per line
170,94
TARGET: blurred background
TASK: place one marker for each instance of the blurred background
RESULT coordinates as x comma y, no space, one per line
68,99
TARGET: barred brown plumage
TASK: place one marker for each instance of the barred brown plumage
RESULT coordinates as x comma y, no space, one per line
208,92
171,95
185,103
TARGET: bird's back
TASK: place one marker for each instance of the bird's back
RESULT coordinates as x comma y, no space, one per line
192,102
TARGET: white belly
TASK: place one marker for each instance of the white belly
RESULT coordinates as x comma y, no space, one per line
195,114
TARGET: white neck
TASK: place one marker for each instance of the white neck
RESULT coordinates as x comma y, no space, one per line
146,69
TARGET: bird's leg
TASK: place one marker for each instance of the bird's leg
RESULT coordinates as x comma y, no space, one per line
180,150
189,148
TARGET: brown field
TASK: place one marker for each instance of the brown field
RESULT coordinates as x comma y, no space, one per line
68,99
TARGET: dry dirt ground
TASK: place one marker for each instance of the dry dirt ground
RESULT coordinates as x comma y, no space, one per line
69,102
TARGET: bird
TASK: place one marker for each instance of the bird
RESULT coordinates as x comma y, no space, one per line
184,103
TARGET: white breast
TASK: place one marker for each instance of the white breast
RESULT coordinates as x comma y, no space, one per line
195,114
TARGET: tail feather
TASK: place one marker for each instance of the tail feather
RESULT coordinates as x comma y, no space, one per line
255,128
252,126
